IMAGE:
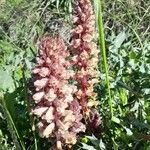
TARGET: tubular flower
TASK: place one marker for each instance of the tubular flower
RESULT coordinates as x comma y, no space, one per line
85,53
58,112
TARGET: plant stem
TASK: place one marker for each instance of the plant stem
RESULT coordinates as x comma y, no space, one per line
102,46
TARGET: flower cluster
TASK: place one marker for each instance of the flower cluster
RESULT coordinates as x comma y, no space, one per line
58,112
85,54
61,106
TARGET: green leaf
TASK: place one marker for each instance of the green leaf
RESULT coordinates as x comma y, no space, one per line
102,145
132,55
115,145
142,68
87,147
116,120
84,140
6,47
93,140
6,81
120,39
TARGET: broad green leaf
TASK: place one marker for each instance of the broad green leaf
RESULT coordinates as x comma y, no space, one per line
132,55
6,81
87,147
102,145
116,120
120,39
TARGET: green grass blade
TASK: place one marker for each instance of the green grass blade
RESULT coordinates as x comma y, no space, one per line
102,46
13,130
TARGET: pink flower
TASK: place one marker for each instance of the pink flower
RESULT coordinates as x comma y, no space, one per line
85,53
49,115
39,111
38,96
48,130
50,96
39,84
54,106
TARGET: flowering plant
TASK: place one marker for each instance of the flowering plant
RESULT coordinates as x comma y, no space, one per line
59,113
85,53
63,108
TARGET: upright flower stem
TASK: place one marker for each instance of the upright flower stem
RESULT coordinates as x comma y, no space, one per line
102,45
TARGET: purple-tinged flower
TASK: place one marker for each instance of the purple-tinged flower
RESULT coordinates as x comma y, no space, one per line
85,53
